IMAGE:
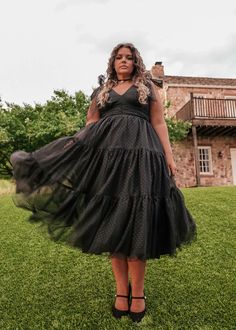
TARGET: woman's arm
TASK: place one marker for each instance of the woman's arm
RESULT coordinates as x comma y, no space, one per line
93,113
159,124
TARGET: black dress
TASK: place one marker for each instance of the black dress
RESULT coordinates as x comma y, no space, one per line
109,191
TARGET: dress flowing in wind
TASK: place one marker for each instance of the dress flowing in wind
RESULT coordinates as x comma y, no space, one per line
108,191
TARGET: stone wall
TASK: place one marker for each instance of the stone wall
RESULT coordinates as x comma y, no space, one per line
221,166
179,96
176,90
184,158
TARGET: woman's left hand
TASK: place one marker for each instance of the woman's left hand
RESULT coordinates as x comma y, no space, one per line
69,143
171,164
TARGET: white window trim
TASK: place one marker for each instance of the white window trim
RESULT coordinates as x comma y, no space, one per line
210,160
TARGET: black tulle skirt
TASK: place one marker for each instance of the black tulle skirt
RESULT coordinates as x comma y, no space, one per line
105,190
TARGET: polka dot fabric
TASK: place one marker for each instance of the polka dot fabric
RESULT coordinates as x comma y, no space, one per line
107,189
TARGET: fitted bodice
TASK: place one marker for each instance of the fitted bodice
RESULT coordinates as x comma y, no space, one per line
126,103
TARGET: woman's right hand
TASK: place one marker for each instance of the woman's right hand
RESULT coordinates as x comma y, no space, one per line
171,164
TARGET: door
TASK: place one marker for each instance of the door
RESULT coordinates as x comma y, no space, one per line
233,162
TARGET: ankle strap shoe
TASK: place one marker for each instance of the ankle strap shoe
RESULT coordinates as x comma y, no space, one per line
137,316
117,313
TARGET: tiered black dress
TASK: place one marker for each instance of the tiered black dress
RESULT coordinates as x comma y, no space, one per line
109,191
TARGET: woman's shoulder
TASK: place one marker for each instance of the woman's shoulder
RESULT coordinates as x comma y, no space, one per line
154,83
96,90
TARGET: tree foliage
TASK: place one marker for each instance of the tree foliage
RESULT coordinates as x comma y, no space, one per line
30,127
178,129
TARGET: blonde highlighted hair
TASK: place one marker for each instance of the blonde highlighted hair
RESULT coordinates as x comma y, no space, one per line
140,77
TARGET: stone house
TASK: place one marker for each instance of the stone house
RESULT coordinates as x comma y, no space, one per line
207,156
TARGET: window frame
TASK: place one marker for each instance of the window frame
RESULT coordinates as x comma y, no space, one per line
210,172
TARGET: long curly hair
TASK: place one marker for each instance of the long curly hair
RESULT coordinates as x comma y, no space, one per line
140,77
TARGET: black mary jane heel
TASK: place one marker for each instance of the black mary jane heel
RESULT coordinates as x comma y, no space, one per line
117,313
137,316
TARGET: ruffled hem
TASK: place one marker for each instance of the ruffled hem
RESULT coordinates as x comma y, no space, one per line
142,227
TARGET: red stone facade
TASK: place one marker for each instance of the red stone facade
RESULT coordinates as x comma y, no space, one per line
176,91
221,161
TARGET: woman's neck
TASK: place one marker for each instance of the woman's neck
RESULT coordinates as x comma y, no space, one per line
123,77
123,80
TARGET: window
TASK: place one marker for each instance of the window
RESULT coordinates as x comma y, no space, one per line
205,160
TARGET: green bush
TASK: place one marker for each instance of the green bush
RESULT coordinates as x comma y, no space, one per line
178,129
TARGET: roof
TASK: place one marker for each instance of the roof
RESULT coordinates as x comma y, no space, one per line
199,80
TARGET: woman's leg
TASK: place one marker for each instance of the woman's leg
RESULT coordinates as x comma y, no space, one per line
136,269
120,271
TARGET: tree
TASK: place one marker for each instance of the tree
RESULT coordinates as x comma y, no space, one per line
30,127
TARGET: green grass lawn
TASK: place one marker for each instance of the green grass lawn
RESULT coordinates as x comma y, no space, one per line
44,285
6,187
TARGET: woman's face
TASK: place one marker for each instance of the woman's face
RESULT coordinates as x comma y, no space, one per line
124,63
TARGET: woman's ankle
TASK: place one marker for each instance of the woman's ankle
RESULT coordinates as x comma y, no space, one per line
122,288
137,291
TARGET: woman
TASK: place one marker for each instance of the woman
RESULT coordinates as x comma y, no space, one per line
109,189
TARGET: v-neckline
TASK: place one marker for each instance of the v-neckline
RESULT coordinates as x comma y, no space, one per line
124,92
